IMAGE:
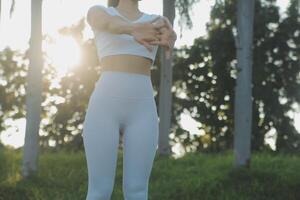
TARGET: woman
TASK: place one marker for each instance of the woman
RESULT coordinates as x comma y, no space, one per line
127,42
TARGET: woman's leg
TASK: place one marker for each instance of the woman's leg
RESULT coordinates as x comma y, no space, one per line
139,148
101,140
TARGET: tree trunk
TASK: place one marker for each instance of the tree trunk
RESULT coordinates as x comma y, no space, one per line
243,90
33,92
165,94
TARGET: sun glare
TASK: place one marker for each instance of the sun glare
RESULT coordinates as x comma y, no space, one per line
63,53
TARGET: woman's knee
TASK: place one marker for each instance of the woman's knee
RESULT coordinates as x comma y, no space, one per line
135,191
100,193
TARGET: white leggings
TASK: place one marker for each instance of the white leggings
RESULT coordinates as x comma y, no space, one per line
123,102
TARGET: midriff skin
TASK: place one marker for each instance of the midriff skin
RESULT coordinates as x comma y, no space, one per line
127,63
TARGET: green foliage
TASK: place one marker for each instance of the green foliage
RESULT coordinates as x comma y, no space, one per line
65,125
184,7
13,71
63,176
64,99
206,72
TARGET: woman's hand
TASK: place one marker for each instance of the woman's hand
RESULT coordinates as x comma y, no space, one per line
147,32
167,36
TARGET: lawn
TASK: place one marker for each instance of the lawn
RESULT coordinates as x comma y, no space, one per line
196,176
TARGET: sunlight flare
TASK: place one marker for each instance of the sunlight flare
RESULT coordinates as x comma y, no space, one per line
63,53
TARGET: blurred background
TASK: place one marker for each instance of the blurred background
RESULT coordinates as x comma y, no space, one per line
71,63
203,86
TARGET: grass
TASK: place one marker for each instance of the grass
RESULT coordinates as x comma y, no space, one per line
196,176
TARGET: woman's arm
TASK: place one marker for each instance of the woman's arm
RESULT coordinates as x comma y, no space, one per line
98,18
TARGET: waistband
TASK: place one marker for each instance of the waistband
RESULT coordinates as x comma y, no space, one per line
128,85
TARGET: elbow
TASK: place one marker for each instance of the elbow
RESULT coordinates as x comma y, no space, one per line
90,17
93,15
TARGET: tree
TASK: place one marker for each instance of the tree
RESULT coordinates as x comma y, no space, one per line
33,92
206,73
34,89
243,89
166,72
165,94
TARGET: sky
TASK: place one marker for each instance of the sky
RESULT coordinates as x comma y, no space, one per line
15,33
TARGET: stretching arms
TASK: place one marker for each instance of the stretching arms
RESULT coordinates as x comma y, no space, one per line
156,32
142,32
167,36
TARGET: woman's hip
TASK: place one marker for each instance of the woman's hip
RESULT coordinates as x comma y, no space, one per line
124,85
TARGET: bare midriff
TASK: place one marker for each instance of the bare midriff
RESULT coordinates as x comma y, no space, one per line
126,63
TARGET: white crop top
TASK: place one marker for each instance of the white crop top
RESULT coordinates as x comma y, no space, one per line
115,44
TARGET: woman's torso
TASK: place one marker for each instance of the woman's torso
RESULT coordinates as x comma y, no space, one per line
126,63
123,62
